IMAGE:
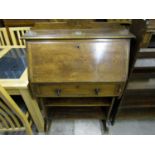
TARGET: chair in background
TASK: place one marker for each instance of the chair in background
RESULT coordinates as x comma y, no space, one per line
12,118
16,33
4,39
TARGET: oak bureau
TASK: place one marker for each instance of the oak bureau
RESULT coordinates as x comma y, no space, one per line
77,70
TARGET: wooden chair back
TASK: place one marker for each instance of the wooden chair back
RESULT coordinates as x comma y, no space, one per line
16,33
12,118
4,39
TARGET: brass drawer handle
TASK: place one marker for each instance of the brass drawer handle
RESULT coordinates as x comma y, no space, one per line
97,90
58,92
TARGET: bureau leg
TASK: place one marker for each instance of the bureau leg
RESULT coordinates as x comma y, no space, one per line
110,112
47,125
105,126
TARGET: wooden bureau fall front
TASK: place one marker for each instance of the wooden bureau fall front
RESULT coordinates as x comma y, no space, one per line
80,67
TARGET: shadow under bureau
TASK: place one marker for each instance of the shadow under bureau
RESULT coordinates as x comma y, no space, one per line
78,72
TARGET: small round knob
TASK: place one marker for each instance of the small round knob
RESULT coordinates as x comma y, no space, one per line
97,90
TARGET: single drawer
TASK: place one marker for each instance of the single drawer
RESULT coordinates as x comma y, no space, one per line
77,90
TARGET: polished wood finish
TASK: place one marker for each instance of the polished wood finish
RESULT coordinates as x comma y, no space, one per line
78,89
79,61
82,62
80,23
110,31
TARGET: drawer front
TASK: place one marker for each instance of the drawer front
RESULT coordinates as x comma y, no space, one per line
77,90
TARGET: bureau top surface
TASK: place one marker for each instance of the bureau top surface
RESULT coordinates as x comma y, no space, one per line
106,31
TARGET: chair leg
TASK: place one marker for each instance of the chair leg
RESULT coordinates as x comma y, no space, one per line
27,127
